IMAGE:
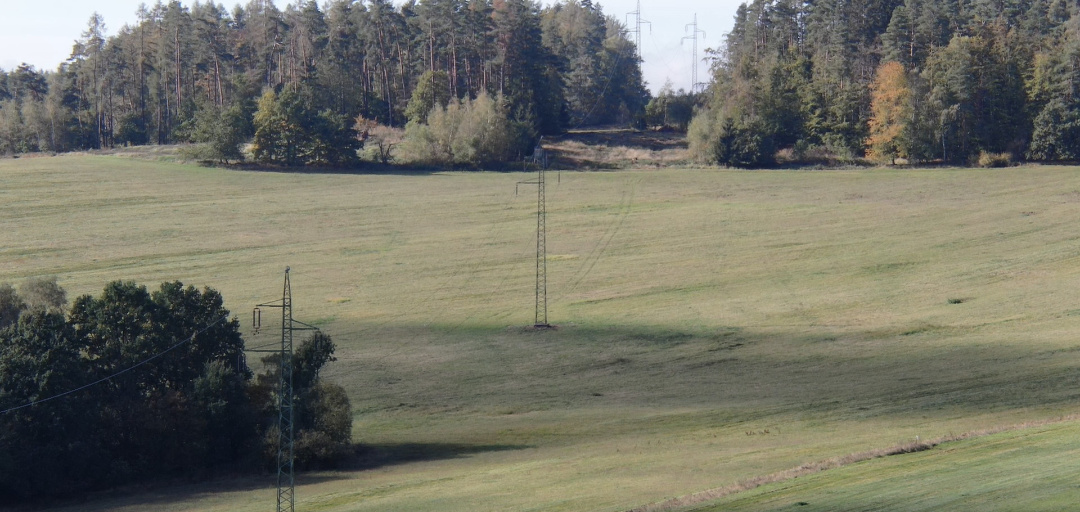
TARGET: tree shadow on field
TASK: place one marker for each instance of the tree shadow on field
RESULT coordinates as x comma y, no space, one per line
366,168
160,494
382,455
839,371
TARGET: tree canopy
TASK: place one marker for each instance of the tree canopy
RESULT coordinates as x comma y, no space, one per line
920,79
134,384
201,73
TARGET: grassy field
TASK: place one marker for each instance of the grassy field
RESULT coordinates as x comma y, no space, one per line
840,311
1032,469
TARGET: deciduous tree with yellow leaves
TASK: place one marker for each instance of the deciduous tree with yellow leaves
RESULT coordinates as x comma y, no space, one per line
891,113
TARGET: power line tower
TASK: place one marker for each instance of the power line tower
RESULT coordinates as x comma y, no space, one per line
637,27
694,83
286,483
540,319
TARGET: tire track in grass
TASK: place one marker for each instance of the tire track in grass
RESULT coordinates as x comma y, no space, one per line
625,205
511,270
590,260
450,280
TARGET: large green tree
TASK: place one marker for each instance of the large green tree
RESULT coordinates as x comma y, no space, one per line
132,384
136,384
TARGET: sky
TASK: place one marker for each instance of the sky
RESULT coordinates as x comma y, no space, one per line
42,32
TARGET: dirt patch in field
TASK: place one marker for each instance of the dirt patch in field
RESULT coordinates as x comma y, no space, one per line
616,149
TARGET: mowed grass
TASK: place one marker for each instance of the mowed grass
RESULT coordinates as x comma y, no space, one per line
1032,469
842,311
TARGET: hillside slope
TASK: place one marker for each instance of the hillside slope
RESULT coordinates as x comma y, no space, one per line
841,311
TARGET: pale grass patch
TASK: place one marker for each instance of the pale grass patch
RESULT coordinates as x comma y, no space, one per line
836,462
562,257
603,150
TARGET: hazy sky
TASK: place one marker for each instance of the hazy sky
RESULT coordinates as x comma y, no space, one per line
42,32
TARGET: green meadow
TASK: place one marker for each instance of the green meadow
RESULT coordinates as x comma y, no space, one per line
1029,469
713,326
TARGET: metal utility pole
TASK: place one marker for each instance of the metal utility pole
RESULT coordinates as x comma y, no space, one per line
286,483
693,74
540,319
637,27
541,252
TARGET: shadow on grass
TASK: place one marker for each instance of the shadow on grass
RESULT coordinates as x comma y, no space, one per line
838,372
377,169
163,492
381,455
366,168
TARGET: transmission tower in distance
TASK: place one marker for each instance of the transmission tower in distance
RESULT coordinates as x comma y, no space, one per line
694,84
540,320
637,26
286,483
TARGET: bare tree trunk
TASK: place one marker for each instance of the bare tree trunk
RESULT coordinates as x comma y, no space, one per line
402,58
167,122
431,49
179,71
217,76
468,77
385,65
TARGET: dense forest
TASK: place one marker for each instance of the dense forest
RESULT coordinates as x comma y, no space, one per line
202,73
957,81
134,385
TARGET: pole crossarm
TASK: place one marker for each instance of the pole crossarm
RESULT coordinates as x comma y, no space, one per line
306,327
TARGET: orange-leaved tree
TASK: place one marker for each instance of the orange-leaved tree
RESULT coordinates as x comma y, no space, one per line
890,113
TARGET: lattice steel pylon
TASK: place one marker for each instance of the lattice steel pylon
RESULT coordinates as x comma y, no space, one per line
694,69
541,319
286,495
286,483
637,27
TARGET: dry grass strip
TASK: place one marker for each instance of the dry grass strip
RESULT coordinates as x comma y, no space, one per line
835,462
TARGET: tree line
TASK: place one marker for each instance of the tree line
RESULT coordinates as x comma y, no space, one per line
199,72
147,385
924,80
